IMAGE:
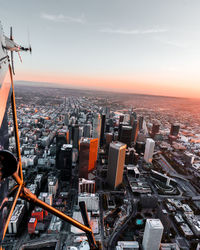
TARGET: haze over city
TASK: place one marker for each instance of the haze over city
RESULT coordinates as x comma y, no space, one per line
100,129
134,46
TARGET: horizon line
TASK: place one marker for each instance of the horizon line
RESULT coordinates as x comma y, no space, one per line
67,86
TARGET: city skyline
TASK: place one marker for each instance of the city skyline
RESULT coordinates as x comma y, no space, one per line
147,47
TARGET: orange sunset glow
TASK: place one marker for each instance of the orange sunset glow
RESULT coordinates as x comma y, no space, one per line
154,85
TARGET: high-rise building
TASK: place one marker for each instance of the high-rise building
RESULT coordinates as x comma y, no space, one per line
116,159
121,118
103,125
65,161
107,111
135,131
140,147
86,186
109,138
125,135
96,127
61,138
141,119
107,128
149,149
155,128
121,124
75,135
87,156
67,119
174,129
87,130
152,234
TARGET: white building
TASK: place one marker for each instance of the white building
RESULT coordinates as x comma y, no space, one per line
16,218
91,201
152,234
46,197
86,186
94,223
132,245
53,186
149,149
38,180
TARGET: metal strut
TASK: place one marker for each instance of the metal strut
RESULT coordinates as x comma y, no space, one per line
26,194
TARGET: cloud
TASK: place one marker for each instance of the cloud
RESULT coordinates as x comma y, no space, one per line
60,18
132,32
175,44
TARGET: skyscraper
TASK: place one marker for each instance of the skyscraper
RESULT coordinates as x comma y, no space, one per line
121,124
174,129
75,135
87,130
87,156
141,119
116,160
125,135
103,125
149,149
61,138
135,131
65,161
152,234
97,127
155,128
121,118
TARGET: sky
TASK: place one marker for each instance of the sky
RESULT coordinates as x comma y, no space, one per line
134,46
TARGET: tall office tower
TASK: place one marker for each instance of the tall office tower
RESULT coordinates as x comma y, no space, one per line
141,119
152,234
61,138
140,147
125,135
127,118
80,132
107,112
141,136
174,129
87,130
121,118
133,117
75,135
121,124
103,125
107,128
155,128
109,138
149,149
67,119
116,159
65,161
87,156
135,131
97,127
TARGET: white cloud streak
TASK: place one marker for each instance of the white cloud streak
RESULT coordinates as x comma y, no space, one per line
132,32
60,18
176,44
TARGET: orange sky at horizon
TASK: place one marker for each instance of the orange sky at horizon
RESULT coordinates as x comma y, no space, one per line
151,84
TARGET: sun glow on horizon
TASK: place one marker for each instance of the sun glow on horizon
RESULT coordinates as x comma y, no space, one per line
153,85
